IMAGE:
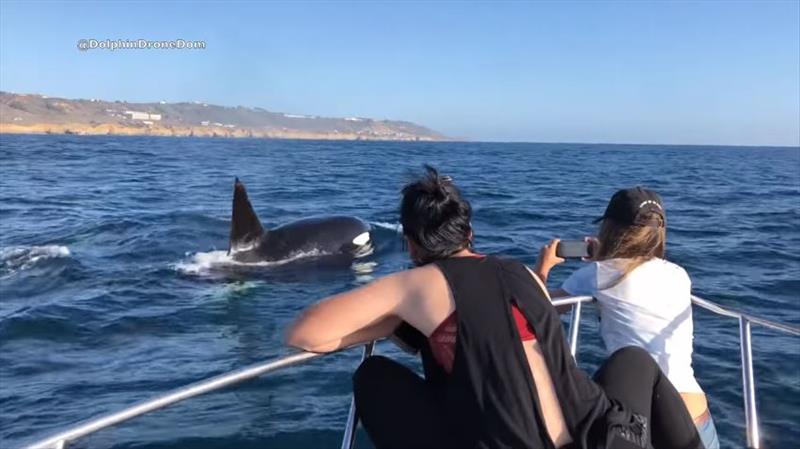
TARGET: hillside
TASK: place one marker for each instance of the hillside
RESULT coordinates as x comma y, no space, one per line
38,114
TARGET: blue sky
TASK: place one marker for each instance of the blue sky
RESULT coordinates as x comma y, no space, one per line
714,72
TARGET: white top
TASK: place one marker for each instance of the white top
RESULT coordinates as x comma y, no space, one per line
651,308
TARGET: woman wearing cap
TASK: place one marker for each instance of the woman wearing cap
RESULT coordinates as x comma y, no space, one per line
498,368
643,299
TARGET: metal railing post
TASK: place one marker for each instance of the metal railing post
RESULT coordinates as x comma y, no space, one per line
574,329
748,385
349,437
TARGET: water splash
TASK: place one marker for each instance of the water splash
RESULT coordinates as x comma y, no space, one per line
203,263
394,227
18,258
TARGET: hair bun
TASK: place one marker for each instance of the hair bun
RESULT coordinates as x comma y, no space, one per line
435,216
439,184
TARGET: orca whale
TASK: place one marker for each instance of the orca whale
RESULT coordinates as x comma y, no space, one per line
250,242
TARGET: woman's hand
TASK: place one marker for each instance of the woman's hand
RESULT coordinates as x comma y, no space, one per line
594,248
547,260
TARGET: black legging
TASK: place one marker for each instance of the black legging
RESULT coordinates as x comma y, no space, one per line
632,377
399,409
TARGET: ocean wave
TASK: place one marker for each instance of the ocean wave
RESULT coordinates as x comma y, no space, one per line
202,263
18,258
364,271
396,227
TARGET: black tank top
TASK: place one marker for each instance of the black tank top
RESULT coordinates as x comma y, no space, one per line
490,396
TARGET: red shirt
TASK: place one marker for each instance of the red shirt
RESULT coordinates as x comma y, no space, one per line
443,338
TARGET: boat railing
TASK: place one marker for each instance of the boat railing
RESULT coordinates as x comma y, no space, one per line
62,439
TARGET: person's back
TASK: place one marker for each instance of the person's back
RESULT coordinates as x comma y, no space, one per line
650,307
491,371
488,370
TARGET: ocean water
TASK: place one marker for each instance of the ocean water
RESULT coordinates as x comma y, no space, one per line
116,287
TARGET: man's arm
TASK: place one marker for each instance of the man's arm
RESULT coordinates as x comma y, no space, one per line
357,316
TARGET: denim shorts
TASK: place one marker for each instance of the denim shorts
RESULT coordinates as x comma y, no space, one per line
708,432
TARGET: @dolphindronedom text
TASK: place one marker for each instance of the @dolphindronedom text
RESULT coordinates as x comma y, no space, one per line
139,44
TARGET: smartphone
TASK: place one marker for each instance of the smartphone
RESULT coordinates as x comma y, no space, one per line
573,249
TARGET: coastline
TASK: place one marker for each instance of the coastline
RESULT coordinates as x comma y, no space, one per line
109,129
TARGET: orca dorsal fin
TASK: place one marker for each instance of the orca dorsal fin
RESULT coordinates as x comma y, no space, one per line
245,225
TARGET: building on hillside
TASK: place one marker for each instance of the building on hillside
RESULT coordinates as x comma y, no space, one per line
136,115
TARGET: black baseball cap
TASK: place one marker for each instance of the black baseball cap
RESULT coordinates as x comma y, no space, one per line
631,207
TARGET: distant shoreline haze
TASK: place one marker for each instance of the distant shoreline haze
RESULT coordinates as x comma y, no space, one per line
41,114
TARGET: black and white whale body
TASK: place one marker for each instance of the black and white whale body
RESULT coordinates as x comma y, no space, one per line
251,243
